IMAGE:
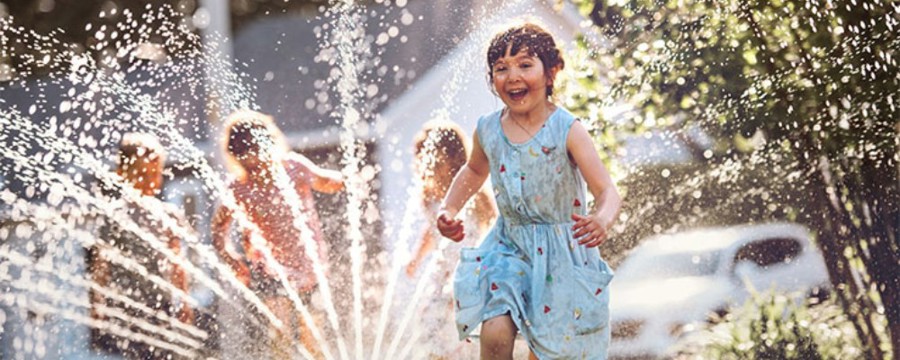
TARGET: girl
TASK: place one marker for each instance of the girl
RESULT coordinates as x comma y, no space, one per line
440,152
258,153
538,271
141,162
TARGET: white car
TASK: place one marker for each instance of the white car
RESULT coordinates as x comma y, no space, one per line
671,283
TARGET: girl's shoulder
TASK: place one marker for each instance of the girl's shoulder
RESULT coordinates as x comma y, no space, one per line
563,124
490,118
488,123
293,159
232,181
297,165
562,118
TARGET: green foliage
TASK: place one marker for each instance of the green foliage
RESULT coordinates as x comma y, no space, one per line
773,326
670,197
807,85
739,67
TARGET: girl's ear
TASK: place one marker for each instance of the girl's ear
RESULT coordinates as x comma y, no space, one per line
551,76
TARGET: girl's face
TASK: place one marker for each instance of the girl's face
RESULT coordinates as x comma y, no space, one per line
520,81
256,153
145,174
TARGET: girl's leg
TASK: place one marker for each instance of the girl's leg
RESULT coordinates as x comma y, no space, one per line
498,335
280,342
306,338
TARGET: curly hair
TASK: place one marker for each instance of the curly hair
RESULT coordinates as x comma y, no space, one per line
136,145
531,38
247,131
444,140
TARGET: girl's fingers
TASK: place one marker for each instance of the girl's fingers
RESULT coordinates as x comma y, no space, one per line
588,231
579,226
458,234
454,231
584,230
448,227
588,242
593,238
597,239
587,226
580,222
585,242
450,231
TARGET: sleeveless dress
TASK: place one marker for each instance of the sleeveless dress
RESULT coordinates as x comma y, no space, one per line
529,265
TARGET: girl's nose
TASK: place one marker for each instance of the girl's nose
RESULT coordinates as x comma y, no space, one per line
515,74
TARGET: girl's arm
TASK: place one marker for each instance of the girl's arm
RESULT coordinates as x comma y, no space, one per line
220,223
465,184
98,268
179,276
426,245
322,180
591,230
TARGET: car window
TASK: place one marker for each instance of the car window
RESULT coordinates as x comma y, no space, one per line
670,265
769,251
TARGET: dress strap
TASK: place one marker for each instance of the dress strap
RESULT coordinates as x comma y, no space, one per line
561,123
488,132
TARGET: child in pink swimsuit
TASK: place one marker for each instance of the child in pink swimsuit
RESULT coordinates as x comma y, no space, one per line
259,155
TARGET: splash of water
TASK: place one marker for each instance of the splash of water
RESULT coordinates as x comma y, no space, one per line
103,94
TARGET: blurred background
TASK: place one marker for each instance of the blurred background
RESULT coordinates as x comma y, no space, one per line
755,143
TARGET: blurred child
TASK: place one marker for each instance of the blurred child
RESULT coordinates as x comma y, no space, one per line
440,152
258,154
140,164
538,272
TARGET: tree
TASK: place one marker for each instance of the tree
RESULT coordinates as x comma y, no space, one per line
807,85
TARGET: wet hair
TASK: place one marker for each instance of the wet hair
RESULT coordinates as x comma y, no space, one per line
136,145
249,131
529,37
445,142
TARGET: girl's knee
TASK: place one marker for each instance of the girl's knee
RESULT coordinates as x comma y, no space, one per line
501,325
497,336
496,347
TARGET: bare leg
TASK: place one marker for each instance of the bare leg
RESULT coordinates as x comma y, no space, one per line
498,336
282,339
306,338
295,329
531,356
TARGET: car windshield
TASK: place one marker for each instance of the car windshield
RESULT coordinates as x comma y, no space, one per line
669,265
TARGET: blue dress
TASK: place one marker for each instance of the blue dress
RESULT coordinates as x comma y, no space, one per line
529,265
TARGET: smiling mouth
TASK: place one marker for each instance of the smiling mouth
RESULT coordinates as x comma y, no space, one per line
517,95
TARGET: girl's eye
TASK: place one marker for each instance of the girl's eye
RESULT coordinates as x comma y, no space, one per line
499,69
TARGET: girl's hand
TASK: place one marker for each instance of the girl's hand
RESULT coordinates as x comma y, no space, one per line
589,231
185,314
241,271
451,228
412,267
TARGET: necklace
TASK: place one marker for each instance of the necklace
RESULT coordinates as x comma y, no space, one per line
530,134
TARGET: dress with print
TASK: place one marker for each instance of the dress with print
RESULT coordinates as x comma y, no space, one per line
530,266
